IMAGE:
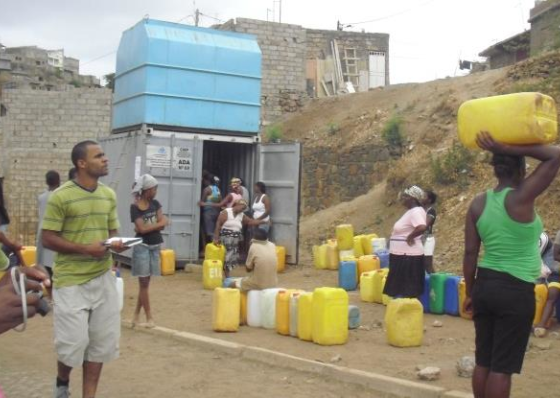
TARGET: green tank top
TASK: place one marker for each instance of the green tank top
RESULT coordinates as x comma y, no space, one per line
509,246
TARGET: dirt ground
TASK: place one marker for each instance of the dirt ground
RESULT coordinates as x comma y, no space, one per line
152,367
179,302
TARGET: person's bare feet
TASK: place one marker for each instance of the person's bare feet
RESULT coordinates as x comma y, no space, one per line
150,324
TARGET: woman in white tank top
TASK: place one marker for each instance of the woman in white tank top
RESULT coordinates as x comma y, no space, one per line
261,206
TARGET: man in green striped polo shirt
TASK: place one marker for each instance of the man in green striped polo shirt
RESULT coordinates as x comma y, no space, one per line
79,217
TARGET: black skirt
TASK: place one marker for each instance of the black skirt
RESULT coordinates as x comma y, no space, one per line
406,276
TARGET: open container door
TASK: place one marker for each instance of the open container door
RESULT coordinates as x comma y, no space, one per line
278,166
176,162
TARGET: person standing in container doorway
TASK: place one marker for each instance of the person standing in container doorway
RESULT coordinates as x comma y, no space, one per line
233,196
500,287
147,215
429,239
228,232
45,257
210,195
261,206
80,216
406,253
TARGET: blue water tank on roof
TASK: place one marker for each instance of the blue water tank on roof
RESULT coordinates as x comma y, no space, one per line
176,75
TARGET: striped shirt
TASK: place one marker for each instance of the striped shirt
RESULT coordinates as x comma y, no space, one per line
83,217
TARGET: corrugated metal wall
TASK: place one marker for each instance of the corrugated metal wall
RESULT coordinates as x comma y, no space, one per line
227,160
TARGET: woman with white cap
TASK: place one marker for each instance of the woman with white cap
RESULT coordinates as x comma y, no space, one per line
148,219
406,259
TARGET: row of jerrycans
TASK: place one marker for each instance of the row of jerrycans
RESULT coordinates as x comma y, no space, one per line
328,255
321,316
445,294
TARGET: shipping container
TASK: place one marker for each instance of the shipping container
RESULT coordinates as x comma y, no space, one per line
177,159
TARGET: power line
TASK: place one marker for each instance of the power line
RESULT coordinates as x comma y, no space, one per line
391,15
214,18
98,58
185,17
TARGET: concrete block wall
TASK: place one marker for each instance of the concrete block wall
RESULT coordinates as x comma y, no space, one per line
545,20
331,176
319,46
283,49
36,135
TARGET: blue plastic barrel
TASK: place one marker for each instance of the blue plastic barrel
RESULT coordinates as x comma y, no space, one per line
353,317
348,275
425,297
383,255
451,304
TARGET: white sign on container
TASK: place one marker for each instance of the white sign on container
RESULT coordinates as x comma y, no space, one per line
160,157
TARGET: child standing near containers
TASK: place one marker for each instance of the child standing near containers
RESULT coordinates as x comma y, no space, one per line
147,215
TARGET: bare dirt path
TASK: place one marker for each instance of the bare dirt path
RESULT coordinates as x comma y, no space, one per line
155,367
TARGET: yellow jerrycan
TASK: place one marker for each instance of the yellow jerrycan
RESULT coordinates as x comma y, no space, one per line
519,119
243,309
281,258
320,256
330,316
226,310
215,252
368,263
167,262
212,274
385,298
462,295
404,322
541,295
283,312
332,255
366,243
345,237
378,284
305,317
358,249
366,287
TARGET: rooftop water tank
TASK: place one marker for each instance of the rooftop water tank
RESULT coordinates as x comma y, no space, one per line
182,76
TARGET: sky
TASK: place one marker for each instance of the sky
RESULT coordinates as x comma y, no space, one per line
427,37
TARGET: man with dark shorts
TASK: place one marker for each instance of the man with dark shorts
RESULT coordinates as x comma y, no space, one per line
80,216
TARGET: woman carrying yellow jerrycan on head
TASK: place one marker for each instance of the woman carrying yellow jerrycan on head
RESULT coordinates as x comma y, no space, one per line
502,296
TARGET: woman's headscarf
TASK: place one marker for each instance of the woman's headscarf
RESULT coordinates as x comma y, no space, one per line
235,182
143,183
415,192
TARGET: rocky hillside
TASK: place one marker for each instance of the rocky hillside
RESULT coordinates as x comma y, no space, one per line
430,156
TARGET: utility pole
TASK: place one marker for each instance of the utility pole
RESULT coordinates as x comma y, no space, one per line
196,17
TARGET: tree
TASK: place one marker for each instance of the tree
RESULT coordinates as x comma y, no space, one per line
110,81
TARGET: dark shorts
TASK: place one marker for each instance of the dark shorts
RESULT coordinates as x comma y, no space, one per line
504,308
209,218
406,276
